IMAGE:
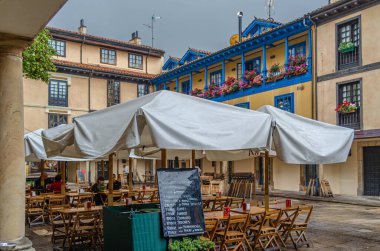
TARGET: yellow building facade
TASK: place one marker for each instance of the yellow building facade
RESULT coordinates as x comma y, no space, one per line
269,49
350,75
92,73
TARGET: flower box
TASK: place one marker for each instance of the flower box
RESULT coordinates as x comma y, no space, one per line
346,47
347,50
346,108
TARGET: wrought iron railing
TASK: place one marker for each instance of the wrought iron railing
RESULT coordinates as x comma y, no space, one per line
348,59
350,120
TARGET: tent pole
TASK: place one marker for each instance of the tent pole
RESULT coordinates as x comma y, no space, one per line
77,178
130,185
193,158
266,174
63,178
163,158
110,180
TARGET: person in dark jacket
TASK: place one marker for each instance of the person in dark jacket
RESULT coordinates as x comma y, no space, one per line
96,189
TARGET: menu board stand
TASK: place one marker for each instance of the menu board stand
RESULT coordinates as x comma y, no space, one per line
181,202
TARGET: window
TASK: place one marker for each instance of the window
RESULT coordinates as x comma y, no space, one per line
135,61
297,49
142,90
350,92
348,32
243,105
57,92
56,119
238,71
186,87
58,46
310,172
285,102
113,92
216,77
100,171
107,56
253,64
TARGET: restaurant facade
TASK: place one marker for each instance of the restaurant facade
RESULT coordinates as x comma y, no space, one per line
92,73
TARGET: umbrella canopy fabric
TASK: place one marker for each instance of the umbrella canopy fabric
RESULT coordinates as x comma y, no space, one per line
35,151
300,140
166,120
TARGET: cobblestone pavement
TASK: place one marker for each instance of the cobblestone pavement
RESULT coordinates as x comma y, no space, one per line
334,226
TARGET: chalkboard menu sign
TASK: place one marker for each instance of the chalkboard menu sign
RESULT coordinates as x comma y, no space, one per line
181,202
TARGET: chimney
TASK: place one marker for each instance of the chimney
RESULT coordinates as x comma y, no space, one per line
240,19
82,28
135,38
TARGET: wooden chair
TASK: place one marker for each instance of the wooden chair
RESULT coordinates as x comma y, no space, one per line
233,236
82,198
235,202
298,226
155,197
56,203
207,206
85,230
219,204
211,226
35,213
264,233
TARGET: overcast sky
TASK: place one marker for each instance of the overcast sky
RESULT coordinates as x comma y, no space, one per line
203,24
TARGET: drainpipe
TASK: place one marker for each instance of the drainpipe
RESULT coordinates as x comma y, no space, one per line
240,18
81,48
89,90
146,62
315,64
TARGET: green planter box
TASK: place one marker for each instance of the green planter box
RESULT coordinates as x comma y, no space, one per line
139,231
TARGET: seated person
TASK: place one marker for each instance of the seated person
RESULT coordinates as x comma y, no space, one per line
56,185
116,183
96,188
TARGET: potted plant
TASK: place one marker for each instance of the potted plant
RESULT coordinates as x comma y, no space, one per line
197,93
257,81
230,86
345,47
346,107
297,66
188,244
213,91
274,73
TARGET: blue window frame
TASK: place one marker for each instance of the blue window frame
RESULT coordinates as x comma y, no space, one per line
285,102
216,77
186,87
253,64
243,105
297,49
238,71
58,93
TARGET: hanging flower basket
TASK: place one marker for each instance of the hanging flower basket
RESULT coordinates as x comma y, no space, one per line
346,107
346,47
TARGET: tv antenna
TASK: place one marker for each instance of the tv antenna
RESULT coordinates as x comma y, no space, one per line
269,6
151,26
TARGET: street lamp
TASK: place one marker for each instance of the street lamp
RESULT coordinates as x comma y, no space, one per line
151,26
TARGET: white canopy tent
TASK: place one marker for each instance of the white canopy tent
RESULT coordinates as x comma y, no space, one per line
169,120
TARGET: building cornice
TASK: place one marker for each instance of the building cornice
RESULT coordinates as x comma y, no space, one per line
349,71
101,72
104,42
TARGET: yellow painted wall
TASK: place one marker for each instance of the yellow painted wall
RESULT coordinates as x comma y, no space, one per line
326,44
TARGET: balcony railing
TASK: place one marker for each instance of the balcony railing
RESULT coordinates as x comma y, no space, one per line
350,120
348,59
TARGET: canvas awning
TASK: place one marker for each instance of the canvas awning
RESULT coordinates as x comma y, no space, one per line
164,120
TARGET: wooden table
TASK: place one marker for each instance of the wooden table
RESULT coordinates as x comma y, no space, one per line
254,210
80,209
219,215
282,206
147,189
212,198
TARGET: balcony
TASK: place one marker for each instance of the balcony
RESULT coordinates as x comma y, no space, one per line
350,120
348,59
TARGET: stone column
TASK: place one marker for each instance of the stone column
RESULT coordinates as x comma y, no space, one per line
12,163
